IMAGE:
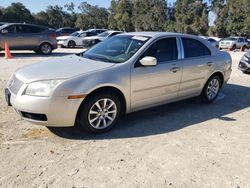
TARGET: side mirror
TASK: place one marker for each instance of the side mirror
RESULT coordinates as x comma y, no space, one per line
4,31
148,61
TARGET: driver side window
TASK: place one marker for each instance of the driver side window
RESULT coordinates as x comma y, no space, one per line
164,50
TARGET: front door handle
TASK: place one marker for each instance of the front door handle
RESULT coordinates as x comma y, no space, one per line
175,69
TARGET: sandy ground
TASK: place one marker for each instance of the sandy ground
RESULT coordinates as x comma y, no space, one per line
184,144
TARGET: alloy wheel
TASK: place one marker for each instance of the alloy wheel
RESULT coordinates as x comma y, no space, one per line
102,113
213,89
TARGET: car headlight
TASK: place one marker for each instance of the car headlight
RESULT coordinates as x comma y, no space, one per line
42,88
246,58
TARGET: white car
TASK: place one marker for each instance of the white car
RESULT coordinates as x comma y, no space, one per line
91,41
74,39
233,42
214,41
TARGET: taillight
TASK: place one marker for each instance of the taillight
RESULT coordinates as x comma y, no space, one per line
52,35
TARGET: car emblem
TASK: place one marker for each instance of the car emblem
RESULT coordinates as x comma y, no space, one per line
11,83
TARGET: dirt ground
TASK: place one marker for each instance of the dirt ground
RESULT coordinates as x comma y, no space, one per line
184,144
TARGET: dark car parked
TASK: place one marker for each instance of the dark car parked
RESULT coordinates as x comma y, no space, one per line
65,31
2,23
28,37
244,64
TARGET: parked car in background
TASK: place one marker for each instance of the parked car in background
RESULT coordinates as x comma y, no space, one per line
2,23
213,41
97,31
65,31
244,64
122,74
28,37
233,43
91,41
74,39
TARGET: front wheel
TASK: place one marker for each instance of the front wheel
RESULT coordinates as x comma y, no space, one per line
71,44
212,88
100,113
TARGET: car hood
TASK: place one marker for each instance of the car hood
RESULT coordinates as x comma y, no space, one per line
247,55
60,68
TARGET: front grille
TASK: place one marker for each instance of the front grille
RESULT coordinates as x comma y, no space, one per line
15,84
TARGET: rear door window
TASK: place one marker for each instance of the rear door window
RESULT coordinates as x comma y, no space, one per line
194,48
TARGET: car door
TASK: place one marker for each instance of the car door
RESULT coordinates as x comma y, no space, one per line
31,36
11,37
197,65
158,84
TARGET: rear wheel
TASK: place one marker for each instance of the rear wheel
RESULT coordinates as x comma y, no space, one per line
71,44
212,88
100,112
45,48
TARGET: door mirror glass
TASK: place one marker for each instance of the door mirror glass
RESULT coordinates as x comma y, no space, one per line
148,61
4,31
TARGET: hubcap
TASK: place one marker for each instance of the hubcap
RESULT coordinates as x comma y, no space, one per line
213,89
46,48
71,44
102,113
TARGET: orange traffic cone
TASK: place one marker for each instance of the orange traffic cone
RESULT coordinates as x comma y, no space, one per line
242,49
7,51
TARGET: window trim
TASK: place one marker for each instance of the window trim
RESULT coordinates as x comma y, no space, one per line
178,45
196,57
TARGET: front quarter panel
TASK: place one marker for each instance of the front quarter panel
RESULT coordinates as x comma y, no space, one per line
118,76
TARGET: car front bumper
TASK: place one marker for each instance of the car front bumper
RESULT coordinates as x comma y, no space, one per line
244,66
47,111
62,43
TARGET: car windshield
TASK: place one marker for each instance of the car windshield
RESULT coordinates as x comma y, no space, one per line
104,34
117,49
75,34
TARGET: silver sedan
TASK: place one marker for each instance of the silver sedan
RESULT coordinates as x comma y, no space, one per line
120,75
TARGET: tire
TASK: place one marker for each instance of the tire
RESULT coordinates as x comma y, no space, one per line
233,48
93,118
71,44
45,49
211,89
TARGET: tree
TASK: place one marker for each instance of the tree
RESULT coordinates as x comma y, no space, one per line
221,11
17,12
112,24
1,14
120,16
92,16
191,17
238,17
149,15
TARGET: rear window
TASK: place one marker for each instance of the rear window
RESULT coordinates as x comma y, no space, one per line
194,48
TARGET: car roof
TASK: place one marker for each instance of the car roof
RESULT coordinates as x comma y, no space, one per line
9,24
159,34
